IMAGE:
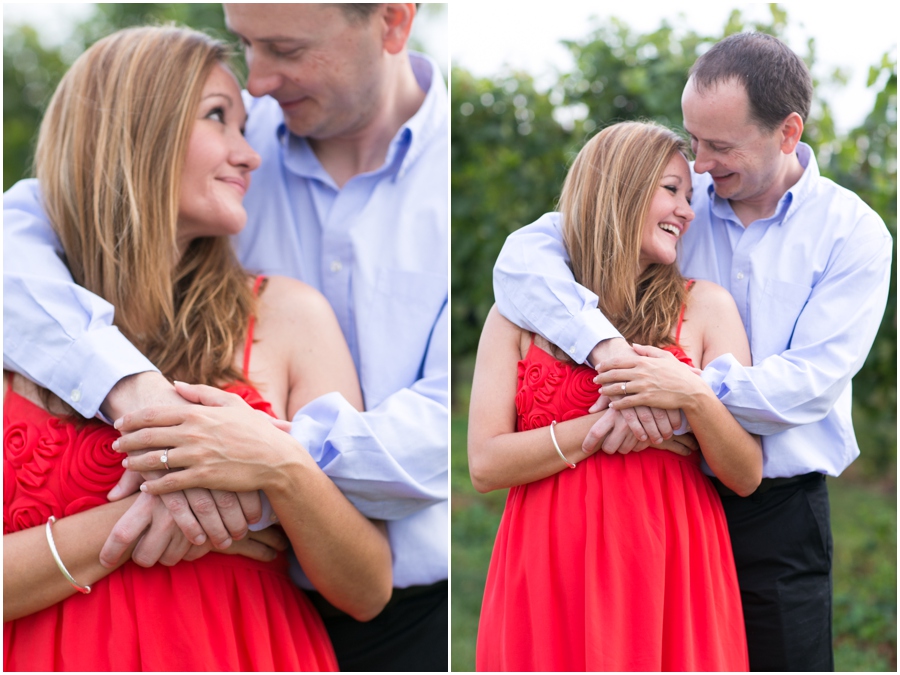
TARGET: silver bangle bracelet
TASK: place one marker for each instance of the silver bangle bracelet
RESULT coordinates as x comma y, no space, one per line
59,562
556,445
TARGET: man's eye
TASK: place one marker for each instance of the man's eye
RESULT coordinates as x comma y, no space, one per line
285,52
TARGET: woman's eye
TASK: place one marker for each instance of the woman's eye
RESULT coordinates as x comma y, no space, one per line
671,188
216,114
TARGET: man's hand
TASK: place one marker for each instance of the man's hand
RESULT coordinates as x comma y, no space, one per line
612,434
163,542
681,445
646,423
263,545
200,513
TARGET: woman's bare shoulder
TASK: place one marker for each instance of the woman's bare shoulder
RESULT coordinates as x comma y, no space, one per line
707,296
287,302
718,322
279,290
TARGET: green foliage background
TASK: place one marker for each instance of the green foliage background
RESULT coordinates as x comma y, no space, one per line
511,146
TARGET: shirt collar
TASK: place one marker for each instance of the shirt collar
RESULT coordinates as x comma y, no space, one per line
408,143
790,201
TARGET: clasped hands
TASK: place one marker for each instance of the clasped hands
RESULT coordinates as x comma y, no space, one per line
648,410
186,521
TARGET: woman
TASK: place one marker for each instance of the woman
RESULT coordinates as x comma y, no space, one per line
622,562
143,166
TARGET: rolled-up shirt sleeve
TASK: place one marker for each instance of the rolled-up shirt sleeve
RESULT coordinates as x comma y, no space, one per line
535,289
390,461
832,337
55,332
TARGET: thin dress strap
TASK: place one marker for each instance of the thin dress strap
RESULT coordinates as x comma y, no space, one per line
250,325
690,283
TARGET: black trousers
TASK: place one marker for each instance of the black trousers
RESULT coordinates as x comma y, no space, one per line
410,635
783,551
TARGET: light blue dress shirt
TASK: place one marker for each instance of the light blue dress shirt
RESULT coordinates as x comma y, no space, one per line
810,284
376,248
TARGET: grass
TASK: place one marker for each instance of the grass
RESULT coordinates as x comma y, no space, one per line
864,524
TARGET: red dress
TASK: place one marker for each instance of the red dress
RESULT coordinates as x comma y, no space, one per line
621,564
221,612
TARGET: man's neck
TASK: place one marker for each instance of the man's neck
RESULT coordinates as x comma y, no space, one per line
765,205
365,149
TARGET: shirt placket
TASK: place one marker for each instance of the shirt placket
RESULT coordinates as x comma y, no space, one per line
739,275
338,260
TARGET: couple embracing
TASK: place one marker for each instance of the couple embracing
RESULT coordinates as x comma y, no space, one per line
680,521
315,347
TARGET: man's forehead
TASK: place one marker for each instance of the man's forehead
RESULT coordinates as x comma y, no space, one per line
280,22
716,112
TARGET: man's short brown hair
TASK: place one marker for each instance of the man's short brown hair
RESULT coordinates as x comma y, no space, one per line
360,11
775,78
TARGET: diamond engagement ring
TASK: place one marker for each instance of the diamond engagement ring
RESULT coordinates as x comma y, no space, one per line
165,458
623,389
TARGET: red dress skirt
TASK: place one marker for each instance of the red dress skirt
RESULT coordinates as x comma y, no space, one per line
221,612
622,564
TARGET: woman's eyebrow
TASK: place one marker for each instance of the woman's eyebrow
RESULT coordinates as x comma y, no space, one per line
225,96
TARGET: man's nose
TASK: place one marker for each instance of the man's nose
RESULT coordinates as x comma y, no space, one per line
262,79
703,161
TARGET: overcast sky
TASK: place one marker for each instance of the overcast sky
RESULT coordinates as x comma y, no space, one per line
854,36
54,22
487,34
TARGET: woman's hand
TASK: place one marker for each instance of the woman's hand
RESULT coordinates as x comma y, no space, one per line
224,445
653,377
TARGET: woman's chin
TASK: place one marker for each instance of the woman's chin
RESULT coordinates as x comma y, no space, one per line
214,225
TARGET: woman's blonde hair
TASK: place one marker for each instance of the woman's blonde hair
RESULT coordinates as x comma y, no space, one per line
604,201
109,160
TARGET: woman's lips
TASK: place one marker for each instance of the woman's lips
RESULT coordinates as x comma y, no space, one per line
238,183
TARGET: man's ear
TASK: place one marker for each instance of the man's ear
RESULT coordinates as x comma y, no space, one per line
397,21
791,131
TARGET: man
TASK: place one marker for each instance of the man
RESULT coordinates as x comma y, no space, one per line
351,198
808,265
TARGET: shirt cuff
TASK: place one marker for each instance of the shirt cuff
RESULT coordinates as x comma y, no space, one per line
269,517
716,371
104,356
584,332
684,428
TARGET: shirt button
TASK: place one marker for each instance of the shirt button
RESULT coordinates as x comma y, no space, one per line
572,349
336,266
75,396
740,275
273,518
